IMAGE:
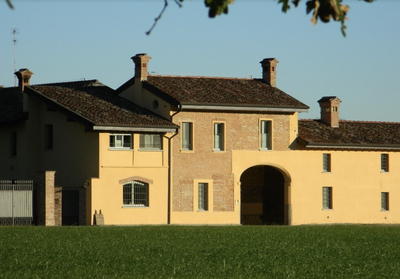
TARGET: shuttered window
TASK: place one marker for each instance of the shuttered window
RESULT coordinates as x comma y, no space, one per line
327,197
326,162
384,162
384,201
203,196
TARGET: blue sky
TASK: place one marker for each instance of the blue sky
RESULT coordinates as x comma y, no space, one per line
74,40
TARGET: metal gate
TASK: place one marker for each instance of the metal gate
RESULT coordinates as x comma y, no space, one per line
16,202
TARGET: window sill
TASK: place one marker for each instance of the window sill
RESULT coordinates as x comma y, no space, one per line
327,209
384,171
202,210
326,172
135,206
385,210
219,151
150,150
265,149
187,151
120,149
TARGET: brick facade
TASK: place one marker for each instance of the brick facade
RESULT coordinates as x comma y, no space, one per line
49,213
241,133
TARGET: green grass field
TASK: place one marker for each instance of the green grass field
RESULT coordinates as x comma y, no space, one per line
349,251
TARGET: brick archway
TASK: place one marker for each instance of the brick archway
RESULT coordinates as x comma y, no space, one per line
263,196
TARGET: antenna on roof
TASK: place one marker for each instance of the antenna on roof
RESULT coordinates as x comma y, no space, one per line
15,32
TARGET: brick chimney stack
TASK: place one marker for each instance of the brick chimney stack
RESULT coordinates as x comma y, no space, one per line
330,110
24,76
141,60
269,70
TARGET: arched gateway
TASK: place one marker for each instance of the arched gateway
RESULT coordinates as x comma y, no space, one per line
264,196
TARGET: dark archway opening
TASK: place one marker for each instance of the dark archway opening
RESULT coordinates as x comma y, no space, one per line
262,196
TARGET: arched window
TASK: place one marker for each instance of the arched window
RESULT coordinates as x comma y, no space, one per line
135,193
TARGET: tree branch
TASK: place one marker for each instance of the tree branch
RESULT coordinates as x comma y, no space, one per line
158,18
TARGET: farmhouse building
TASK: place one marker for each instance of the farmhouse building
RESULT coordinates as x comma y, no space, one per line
194,150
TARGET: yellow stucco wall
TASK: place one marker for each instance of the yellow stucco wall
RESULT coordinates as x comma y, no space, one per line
355,178
117,166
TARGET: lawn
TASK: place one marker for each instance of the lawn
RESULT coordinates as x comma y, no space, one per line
343,251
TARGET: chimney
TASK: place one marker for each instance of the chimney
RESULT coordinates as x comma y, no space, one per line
269,70
141,60
24,76
330,110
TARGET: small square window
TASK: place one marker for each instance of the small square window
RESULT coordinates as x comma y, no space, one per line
121,141
384,201
384,162
326,162
219,136
327,198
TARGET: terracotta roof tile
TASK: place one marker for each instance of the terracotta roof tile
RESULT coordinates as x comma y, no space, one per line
221,91
351,133
100,105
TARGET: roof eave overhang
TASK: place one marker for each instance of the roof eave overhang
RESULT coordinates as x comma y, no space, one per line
240,108
148,129
364,147
57,106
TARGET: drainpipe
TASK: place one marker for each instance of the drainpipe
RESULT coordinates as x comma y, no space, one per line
170,167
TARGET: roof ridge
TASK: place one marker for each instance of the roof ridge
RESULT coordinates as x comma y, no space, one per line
65,82
356,121
208,77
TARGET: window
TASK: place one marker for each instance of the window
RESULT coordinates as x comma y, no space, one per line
384,162
151,141
136,193
265,134
327,198
121,141
187,136
219,136
384,201
203,196
326,162
48,136
13,144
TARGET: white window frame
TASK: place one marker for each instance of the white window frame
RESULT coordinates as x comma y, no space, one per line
327,198
149,142
219,136
384,162
135,194
121,141
384,201
326,162
187,136
265,134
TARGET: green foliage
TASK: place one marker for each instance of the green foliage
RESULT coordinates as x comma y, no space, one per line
217,7
358,251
